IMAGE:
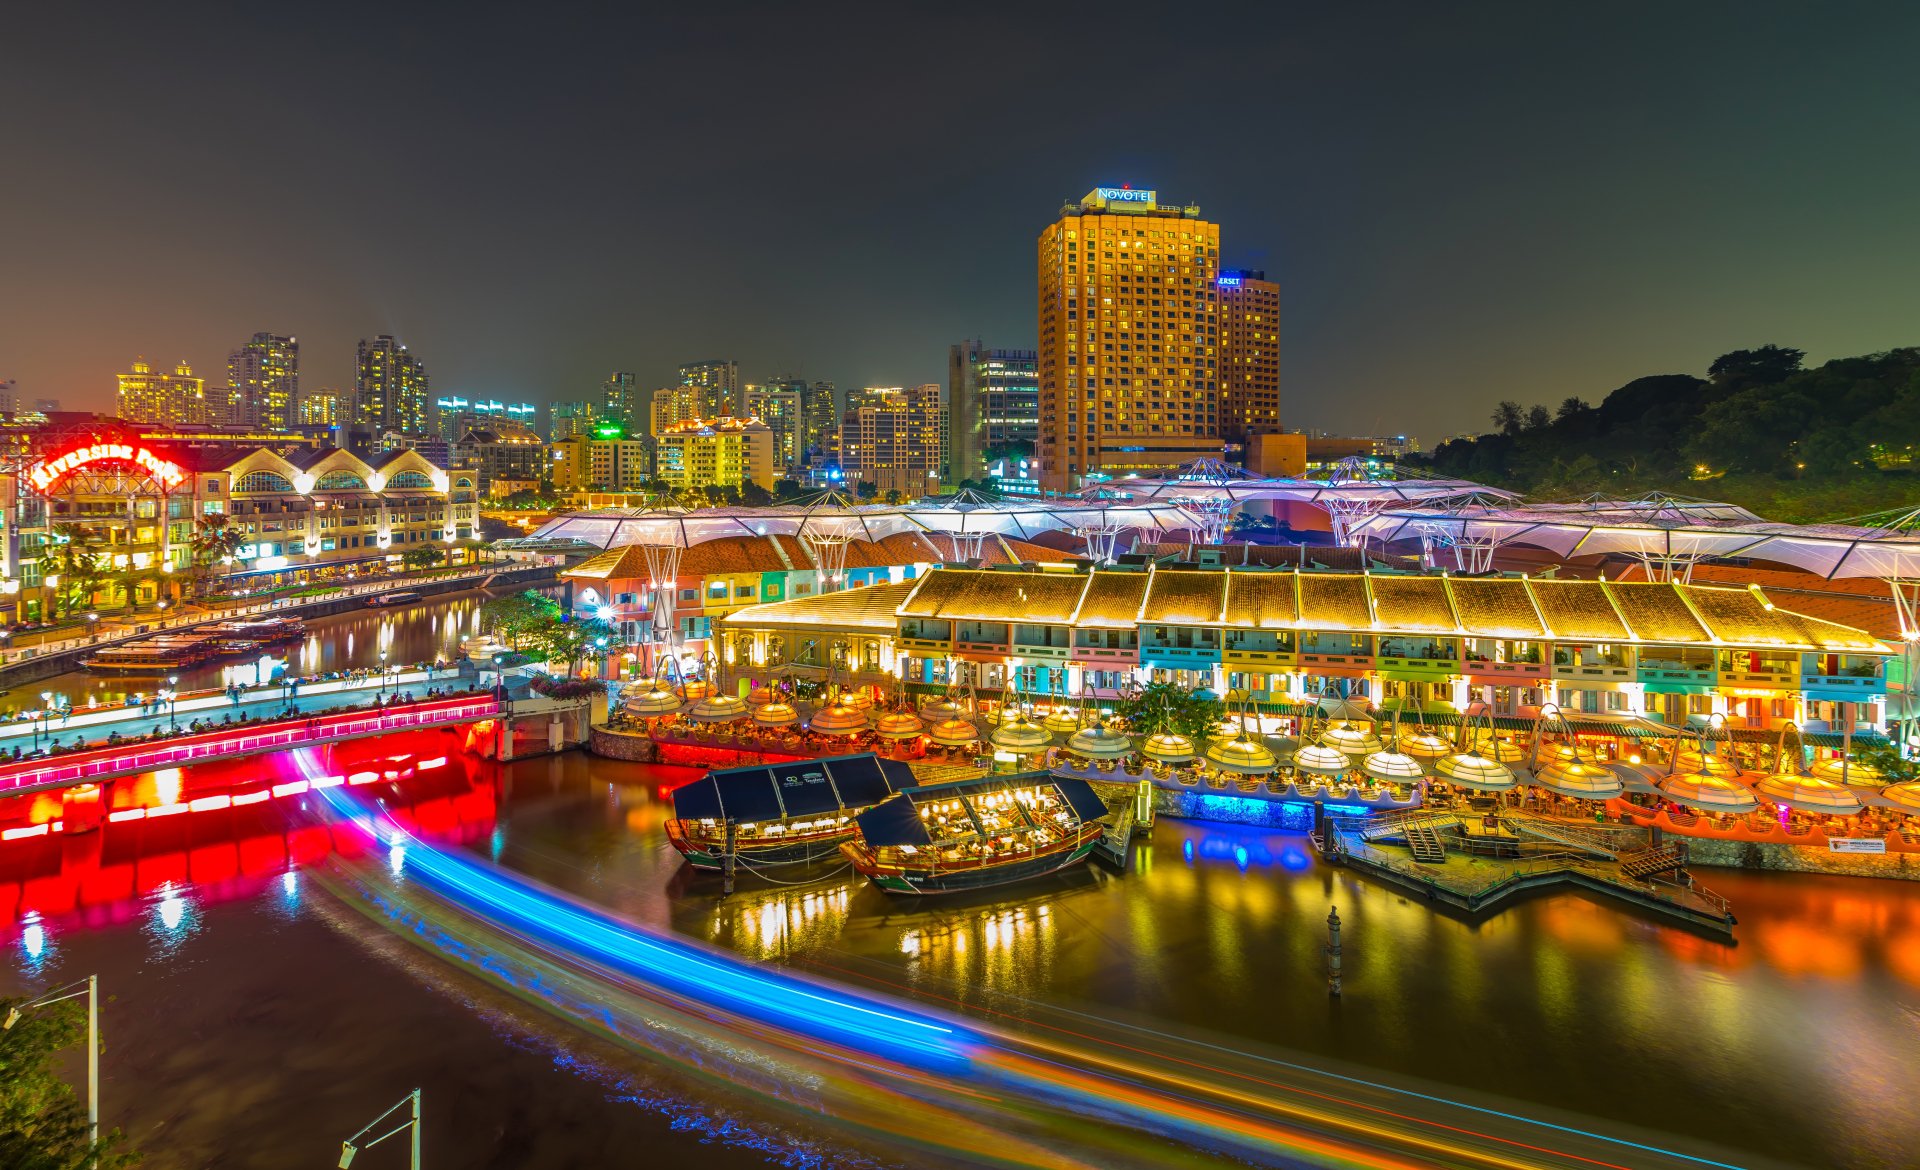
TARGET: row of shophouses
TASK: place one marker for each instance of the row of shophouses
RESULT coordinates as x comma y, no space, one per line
1676,653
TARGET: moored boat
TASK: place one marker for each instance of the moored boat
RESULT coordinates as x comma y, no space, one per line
781,814
152,657
397,597
976,834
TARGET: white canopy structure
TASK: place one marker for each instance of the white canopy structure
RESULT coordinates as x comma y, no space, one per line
827,525
1212,490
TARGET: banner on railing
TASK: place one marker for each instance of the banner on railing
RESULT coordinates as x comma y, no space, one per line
1857,844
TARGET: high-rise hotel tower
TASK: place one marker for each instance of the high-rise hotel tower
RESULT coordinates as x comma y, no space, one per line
1129,338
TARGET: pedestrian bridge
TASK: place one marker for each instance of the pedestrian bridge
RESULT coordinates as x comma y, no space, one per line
95,764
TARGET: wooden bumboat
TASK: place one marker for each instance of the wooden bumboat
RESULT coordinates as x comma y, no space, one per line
977,834
781,814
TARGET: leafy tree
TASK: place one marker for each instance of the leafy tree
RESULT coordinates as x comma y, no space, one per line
1538,419
214,539
789,489
1165,707
753,495
43,1123
1570,410
1756,367
519,618
572,639
75,555
127,581
1509,418
420,556
866,490
893,496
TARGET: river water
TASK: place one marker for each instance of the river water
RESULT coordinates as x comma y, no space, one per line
258,1021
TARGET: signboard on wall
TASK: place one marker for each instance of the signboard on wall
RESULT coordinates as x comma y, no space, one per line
1856,845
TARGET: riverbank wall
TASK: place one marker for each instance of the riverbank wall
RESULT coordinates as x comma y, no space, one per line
1797,859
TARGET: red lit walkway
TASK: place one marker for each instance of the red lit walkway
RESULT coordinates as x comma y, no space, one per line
22,776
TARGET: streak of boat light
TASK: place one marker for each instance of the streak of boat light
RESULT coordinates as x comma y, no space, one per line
917,1044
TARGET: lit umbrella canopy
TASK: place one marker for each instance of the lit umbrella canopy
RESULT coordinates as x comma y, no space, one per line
1710,763
940,710
1470,770
898,725
858,700
658,701
1394,767
1062,721
1355,739
1017,733
1246,756
1807,793
1577,778
775,714
720,708
1707,791
1100,742
693,690
954,732
1906,795
760,696
1167,747
1426,745
1318,759
838,718
1336,707
1502,751
1843,771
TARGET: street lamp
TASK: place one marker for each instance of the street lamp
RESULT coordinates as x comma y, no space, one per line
173,696
351,1146
75,990
383,674
44,716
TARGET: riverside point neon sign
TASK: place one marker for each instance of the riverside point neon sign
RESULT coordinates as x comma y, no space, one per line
50,473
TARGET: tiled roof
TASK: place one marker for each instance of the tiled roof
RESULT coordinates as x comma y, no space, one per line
1112,601
1655,613
616,564
1415,604
870,607
1186,596
1578,611
1333,601
996,595
1495,607
1261,601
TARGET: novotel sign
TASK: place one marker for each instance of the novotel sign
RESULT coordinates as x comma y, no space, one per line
48,473
1105,195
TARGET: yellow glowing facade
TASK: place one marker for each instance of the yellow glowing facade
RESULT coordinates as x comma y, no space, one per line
149,396
1129,338
727,452
1249,356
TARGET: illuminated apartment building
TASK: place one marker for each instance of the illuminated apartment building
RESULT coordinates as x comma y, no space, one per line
567,420
177,399
389,388
724,452
718,386
995,399
778,405
1129,338
819,417
263,383
1249,355
896,439
325,407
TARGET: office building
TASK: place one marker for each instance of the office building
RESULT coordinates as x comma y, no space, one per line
718,384
994,396
620,398
672,405
567,420
779,408
389,388
820,410
1129,338
454,416
1249,355
263,383
151,396
896,439
614,463
325,406
504,450
724,452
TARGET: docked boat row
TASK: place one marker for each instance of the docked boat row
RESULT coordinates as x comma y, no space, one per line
905,837
174,650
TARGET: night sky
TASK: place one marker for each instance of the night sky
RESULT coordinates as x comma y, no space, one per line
1462,203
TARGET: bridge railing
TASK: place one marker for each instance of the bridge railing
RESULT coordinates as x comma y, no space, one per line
79,767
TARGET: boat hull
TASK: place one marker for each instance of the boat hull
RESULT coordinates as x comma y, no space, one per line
711,855
959,881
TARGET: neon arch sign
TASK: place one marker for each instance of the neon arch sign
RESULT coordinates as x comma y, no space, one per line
49,474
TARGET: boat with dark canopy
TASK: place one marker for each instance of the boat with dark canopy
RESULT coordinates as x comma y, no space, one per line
973,834
782,814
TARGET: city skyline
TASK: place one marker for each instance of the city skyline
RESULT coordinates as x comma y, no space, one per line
1585,210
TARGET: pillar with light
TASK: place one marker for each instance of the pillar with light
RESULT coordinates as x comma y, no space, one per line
89,987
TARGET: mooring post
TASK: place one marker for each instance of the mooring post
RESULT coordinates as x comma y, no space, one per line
727,861
1333,952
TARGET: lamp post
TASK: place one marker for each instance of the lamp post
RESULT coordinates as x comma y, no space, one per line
43,717
352,1145
173,698
383,674
89,987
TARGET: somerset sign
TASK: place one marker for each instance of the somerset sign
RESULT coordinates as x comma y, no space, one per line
48,474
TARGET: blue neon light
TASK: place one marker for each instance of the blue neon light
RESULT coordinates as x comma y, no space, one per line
1229,282
1349,810
837,1016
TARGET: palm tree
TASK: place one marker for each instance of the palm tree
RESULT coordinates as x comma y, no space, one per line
128,580
74,555
214,539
